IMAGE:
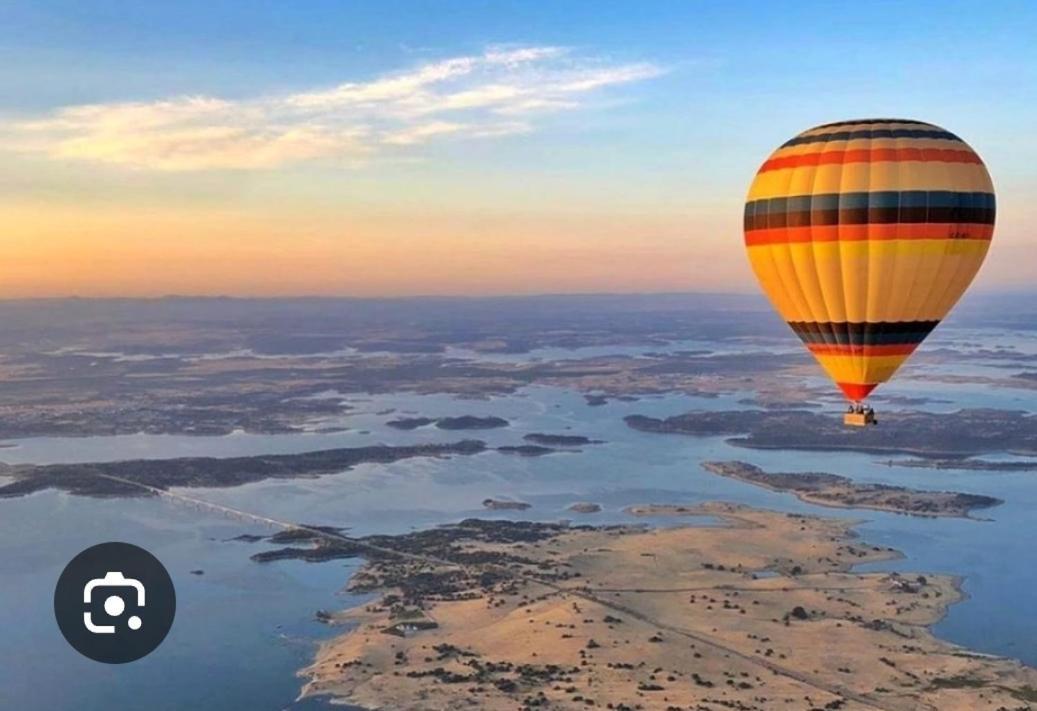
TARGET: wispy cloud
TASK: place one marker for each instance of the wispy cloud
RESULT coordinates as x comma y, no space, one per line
499,92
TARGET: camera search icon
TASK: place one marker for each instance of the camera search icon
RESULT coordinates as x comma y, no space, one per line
115,603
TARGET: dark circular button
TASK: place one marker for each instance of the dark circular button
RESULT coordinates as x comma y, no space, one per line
115,603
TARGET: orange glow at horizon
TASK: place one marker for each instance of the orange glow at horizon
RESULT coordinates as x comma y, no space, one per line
141,252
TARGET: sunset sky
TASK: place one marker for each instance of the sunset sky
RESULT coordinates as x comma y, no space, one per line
399,148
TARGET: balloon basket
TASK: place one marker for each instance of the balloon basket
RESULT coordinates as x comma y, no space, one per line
860,419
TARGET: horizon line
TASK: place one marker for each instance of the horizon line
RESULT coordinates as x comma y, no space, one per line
430,297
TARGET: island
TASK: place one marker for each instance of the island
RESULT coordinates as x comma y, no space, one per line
584,507
559,440
518,615
146,477
597,399
470,422
505,505
952,435
826,489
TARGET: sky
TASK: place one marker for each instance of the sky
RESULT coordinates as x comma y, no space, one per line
405,148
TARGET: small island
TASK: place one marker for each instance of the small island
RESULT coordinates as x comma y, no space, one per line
584,507
503,615
505,505
471,422
837,491
598,399
559,440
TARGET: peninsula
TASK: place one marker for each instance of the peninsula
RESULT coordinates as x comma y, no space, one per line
516,615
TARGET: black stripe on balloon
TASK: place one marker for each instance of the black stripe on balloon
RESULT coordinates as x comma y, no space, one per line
879,333
878,207
871,121
875,198
872,133
872,216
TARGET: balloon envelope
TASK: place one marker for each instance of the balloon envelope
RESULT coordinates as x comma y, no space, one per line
864,234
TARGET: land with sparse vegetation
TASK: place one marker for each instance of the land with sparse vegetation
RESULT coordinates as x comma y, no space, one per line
505,615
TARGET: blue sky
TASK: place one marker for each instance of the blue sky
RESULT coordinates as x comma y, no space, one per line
714,88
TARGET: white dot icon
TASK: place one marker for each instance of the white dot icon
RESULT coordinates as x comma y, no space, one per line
134,623
114,606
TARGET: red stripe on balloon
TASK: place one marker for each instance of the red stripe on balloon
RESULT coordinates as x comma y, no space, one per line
869,232
872,155
857,391
893,349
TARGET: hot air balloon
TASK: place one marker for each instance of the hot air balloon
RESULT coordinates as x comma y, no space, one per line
864,234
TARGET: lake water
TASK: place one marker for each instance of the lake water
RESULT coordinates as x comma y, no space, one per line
243,630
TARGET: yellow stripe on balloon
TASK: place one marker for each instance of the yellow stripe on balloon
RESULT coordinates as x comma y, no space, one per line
890,267
871,177
866,370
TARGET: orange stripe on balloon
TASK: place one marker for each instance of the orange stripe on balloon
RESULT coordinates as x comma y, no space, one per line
873,155
861,233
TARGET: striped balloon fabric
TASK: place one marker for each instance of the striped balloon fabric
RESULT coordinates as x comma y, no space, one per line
864,234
